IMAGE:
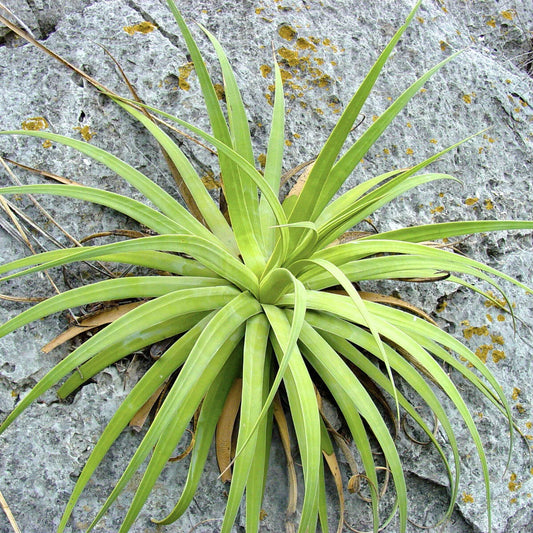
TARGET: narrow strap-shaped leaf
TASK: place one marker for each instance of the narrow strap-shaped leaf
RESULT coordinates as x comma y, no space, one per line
204,251
404,267
351,396
249,170
216,117
338,332
154,377
241,193
155,311
238,121
160,198
102,291
306,206
241,204
422,327
375,246
274,160
271,313
322,502
255,347
371,203
368,321
255,486
207,207
340,306
215,344
305,415
205,429
343,168
125,346
348,198
431,232
163,262
132,208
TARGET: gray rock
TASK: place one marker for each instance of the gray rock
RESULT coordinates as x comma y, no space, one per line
487,86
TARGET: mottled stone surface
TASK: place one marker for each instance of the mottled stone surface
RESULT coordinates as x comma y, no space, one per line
487,86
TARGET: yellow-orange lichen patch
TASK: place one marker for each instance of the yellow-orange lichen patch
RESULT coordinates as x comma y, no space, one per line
497,356
47,143
513,484
441,307
304,44
265,70
141,27
471,201
491,23
469,332
219,90
35,124
467,498
285,75
488,204
497,339
290,56
498,302
287,32
261,158
482,352
516,393
85,132
508,14
184,72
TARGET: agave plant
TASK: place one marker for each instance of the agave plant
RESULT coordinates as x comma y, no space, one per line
263,301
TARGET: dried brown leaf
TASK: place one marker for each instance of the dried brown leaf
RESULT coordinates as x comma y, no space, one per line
283,428
225,427
100,318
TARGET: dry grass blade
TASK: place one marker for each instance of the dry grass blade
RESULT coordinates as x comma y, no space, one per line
43,173
7,209
94,321
131,234
184,191
225,427
21,33
49,217
283,429
9,514
4,204
416,441
25,299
